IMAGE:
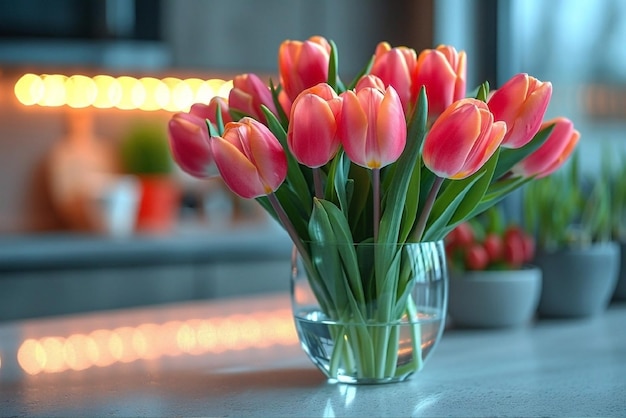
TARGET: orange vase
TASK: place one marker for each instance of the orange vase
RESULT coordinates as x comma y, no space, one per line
158,205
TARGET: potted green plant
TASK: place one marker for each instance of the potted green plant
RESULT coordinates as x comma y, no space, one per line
617,192
145,153
491,282
570,217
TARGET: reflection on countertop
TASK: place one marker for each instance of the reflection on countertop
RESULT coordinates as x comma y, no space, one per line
240,357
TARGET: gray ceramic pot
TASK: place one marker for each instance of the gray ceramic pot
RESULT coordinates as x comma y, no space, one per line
620,288
494,299
578,282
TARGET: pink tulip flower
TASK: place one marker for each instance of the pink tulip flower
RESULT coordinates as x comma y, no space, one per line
521,102
312,134
462,139
248,94
303,64
370,80
189,141
211,109
443,73
395,67
372,126
249,158
553,153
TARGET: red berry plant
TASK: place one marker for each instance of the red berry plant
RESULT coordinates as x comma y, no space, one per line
488,243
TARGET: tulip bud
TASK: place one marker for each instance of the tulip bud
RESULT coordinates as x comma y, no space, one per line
462,139
372,126
211,110
494,246
248,94
249,158
370,80
312,134
443,73
395,67
303,64
553,153
476,257
521,102
189,142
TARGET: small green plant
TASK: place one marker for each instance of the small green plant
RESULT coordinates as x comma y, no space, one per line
145,150
617,192
567,210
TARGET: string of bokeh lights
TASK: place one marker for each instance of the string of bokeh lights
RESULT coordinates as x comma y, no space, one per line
123,92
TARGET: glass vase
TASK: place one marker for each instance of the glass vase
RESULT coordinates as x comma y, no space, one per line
369,313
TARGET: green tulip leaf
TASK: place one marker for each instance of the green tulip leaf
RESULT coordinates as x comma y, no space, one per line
333,66
329,228
282,116
295,177
399,184
446,206
477,192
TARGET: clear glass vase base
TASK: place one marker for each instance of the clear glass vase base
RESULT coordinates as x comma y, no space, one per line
341,351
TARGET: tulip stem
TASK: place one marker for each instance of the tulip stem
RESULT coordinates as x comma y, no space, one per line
317,181
291,230
428,205
376,190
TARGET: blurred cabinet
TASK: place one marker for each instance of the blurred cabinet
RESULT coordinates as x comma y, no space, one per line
66,291
55,275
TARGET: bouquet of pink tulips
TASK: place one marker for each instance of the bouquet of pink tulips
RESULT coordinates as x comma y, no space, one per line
401,154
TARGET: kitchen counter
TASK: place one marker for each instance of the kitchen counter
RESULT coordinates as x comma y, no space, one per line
188,244
240,357
93,272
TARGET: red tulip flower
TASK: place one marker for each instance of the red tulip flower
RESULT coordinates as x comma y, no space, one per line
443,73
372,126
189,141
303,64
312,134
462,139
553,153
248,94
395,67
249,158
521,102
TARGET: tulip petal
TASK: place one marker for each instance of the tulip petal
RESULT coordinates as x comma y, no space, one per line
450,141
312,132
236,170
352,129
391,127
189,144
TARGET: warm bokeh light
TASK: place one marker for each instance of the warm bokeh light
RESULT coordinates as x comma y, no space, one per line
149,341
80,90
124,92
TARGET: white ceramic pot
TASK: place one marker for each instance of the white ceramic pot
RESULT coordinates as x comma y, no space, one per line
494,299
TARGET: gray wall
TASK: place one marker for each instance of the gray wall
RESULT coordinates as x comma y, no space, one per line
244,35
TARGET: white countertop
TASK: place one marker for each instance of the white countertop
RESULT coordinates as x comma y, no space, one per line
241,358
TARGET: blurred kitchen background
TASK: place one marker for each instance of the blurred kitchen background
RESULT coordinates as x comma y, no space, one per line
77,232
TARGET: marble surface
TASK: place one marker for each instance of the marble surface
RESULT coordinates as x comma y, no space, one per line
240,357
